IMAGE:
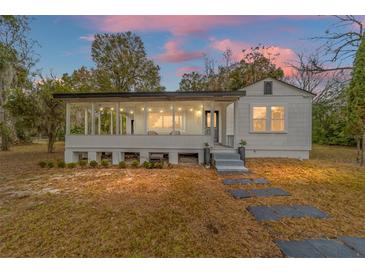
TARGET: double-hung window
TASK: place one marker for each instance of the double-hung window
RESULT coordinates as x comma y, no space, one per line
268,118
259,118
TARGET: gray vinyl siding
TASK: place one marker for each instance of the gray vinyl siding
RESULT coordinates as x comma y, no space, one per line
295,141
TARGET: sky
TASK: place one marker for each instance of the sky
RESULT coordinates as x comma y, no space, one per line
176,43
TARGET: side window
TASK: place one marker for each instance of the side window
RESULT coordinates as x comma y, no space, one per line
277,118
259,119
268,88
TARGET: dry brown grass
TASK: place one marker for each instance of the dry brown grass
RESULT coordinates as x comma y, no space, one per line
179,212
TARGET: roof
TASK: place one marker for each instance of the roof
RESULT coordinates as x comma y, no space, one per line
285,83
164,95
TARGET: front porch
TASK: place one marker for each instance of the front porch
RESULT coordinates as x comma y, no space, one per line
121,125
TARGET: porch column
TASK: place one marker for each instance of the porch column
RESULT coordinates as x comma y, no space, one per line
145,118
173,118
67,119
235,124
92,119
111,120
212,123
224,124
86,122
117,120
99,123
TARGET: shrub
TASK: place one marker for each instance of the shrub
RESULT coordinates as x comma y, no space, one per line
42,164
93,163
104,163
122,164
50,164
148,165
61,164
83,163
159,165
135,163
71,165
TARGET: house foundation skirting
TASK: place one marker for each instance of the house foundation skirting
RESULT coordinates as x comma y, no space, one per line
72,155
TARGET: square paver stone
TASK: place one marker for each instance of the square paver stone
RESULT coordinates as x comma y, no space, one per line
266,192
298,249
316,248
242,181
276,212
261,181
356,243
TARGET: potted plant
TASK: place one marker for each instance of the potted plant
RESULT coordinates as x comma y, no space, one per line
242,150
206,154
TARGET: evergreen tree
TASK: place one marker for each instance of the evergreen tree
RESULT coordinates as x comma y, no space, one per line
356,101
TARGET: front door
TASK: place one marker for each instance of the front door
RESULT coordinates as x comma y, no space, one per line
215,122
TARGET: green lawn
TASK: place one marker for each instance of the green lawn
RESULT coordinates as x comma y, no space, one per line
180,212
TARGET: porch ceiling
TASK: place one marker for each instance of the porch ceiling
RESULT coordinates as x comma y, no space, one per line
153,96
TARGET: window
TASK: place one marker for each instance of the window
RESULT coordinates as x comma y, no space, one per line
159,118
188,118
268,118
259,119
277,118
268,88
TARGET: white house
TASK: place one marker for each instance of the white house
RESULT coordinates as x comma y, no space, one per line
274,117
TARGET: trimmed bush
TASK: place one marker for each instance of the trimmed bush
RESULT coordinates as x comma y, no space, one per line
135,163
83,163
93,163
159,165
122,164
50,164
71,165
42,164
146,164
104,163
61,164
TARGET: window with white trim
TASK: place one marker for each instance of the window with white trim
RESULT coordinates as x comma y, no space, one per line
269,118
277,118
259,118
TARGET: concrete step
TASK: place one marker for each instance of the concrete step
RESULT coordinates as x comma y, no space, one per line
227,156
228,162
231,169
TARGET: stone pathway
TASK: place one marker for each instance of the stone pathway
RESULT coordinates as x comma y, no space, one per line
266,192
276,212
246,181
345,247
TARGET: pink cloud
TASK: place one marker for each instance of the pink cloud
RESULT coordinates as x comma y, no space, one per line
174,54
181,71
176,24
89,38
284,55
180,24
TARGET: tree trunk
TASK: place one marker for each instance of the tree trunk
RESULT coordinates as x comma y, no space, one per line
358,149
51,141
4,130
362,153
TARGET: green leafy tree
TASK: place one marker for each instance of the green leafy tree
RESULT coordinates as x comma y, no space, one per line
122,63
16,58
193,81
253,66
356,101
38,110
81,80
